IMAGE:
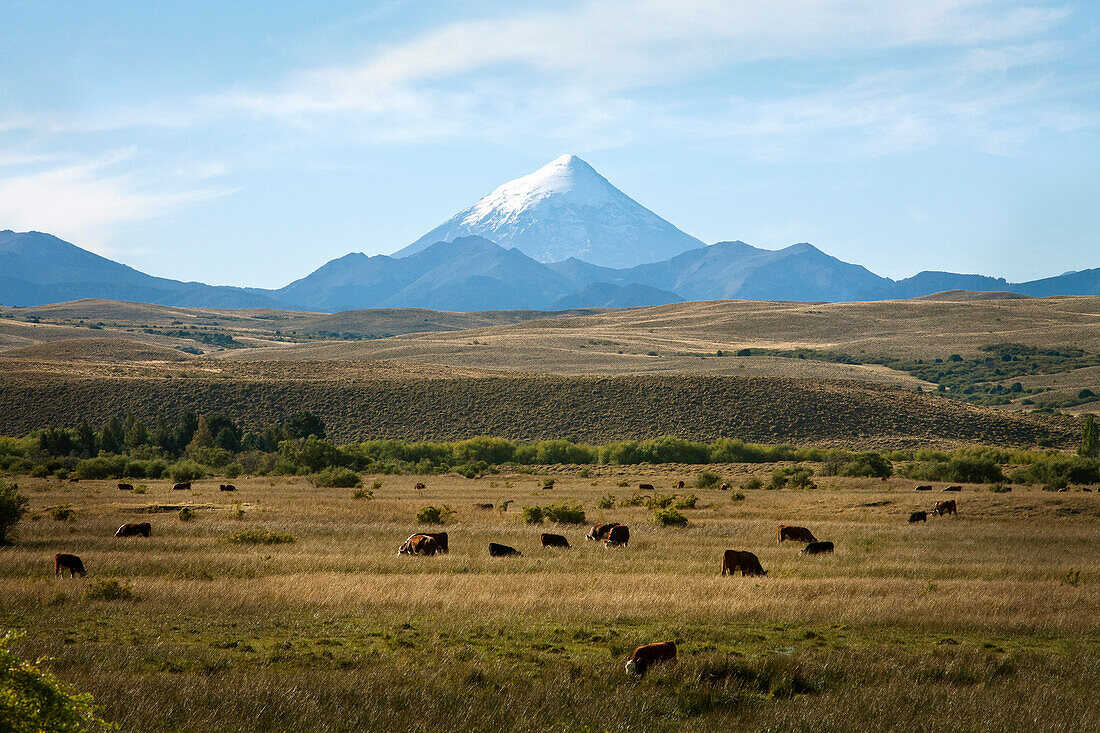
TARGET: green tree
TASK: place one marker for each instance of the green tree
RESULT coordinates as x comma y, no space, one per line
1090,438
136,434
33,700
305,424
112,437
12,508
203,436
86,441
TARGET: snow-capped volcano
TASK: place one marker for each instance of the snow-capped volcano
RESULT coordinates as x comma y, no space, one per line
565,209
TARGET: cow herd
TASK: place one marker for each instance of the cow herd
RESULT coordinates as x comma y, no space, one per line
612,534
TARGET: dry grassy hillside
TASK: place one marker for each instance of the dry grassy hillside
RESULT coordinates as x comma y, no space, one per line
681,333
423,401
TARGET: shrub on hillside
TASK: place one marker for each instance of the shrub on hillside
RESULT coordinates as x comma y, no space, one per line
187,514
669,518
260,537
108,589
186,471
533,514
1060,471
565,513
434,514
340,478
960,468
707,480
870,464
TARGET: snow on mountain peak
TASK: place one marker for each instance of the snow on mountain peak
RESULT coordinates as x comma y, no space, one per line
565,209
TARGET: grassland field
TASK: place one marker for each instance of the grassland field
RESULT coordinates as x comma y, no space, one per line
984,621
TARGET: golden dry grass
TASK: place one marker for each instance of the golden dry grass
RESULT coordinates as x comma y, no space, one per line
945,618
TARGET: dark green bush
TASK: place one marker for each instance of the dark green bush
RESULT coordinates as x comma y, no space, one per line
565,513
32,699
669,518
434,514
707,480
533,514
13,507
341,478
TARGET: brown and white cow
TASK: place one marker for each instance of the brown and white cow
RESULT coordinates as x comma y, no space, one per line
133,530
801,534
599,532
553,540
945,507
419,486
440,539
419,544
649,654
923,488
618,536
746,562
724,487
64,561
679,484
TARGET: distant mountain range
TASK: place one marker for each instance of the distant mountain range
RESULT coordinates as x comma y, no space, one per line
570,240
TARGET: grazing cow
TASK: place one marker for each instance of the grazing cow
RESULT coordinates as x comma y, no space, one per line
679,484
496,550
419,544
923,488
945,507
226,487
645,487
483,506
618,535
554,540
74,481
647,654
125,487
599,532
724,487
182,486
133,530
440,539
64,561
746,562
952,488
419,486
801,534
918,517
816,548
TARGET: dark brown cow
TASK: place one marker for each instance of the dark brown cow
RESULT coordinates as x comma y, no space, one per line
419,544
125,487
226,487
133,530
918,517
679,484
440,539
483,506
182,486
497,550
64,561
554,540
645,487
801,534
74,481
619,535
816,548
952,488
419,486
945,507
647,654
599,532
923,488
746,562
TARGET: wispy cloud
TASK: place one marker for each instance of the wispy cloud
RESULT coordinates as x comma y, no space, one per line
82,200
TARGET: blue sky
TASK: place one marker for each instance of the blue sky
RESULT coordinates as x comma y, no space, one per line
250,142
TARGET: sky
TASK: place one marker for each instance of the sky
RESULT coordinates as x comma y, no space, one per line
247,143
